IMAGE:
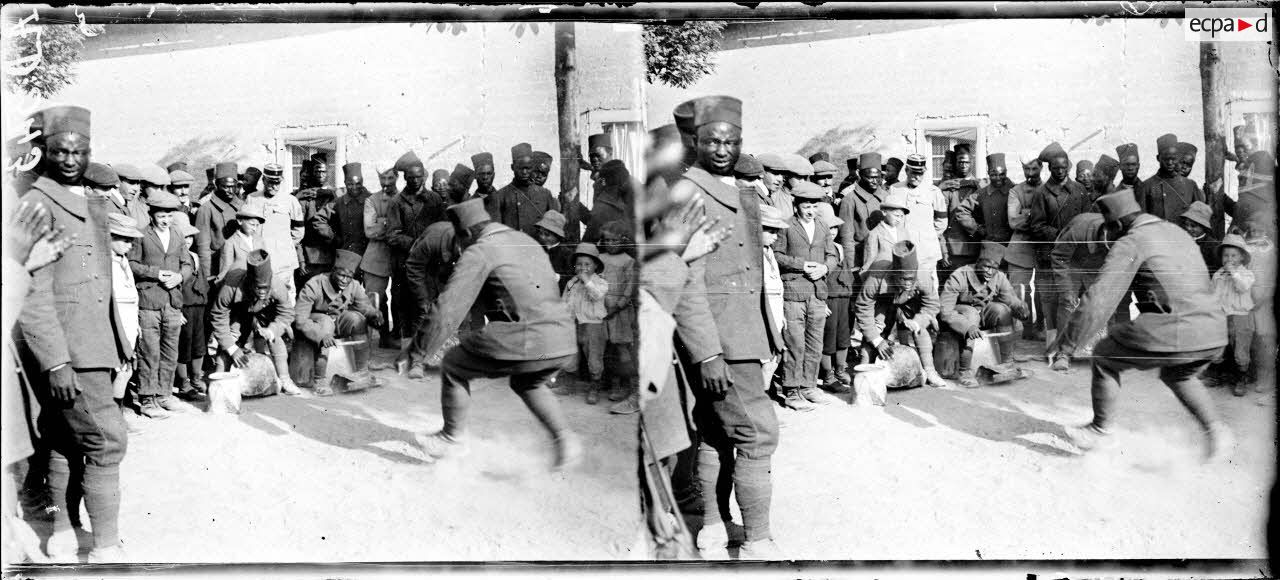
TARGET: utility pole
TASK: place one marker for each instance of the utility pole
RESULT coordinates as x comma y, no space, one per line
1215,139
567,114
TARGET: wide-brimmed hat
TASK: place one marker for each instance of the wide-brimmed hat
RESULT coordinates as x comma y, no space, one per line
552,221
1234,241
896,200
1199,212
589,249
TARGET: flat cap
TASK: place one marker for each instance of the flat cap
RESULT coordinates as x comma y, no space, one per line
180,177
128,171
773,218
798,165
823,167
176,166
821,155
748,166
163,200
773,162
250,211
154,174
123,226
806,191
189,230
101,175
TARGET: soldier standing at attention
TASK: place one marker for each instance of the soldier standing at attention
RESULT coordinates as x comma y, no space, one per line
282,227
1053,205
1021,257
926,220
317,252
376,266
521,204
1168,194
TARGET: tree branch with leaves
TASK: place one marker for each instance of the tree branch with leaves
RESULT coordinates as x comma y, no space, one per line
679,54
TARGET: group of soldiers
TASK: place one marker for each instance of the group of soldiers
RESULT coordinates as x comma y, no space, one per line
805,271
133,287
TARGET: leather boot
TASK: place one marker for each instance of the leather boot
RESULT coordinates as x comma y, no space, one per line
968,379
931,376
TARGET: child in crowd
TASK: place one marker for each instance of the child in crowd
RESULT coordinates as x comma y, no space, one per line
1262,262
880,241
585,295
1232,284
833,371
124,233
235,253
772,223
805,254
620,318
193,340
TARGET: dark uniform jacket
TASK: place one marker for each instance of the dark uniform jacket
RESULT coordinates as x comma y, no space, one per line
860,210
964,287
960,241
793,249
216,220
315,201
507,275
319,296
230,315
985,216
1078,253
410,216
878,303
430,262
1178,311
611,204
148,258
342,222
1167,197
1052,208
521,208
69,315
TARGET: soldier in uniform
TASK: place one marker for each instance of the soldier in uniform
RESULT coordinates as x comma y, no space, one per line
1167,194
482,164
315,198
521,204
376,266
529,337
1076,259
411,211
332,306
985,215
541,167
1053,205
342,223
249,181
978,298
1181,327
891,308
1187,159
1127,154
1084,176
926,220
613,200
599,152
1021,255
283,225
860,207
216,219
428,269
892,170
252,312
962,245
726,335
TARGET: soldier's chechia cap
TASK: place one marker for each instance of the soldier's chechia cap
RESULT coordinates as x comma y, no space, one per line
773,218
683,115
462,176
870,161
127,171
820,156
822,167
65,119
543,157
163,201
252,175
346,260
963,148
996,160
806,191
992,252
717,109
1107,164
798,165
101,175
273,172
521,150
176,166
904,257
552,221
1166,141
772,162
154,174
481,159
224,170
599,140
1084,165
180,177
1118,204
894,162
123,226
409,159
352,169
916,162
1200,213
469,213
664,135
1126,150
439,175
259,265
748,166
1052,151
1187,148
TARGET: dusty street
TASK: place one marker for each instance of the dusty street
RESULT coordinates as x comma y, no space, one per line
339,479
987,473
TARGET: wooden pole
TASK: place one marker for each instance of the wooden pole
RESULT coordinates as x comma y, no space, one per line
1215,139
567,114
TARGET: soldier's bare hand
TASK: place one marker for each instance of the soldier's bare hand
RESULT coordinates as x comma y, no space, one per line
48,249
28,224
715,376
239,358
973,333
63,385
327,342
884,350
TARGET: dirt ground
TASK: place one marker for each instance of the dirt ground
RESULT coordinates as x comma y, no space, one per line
295,479
988,474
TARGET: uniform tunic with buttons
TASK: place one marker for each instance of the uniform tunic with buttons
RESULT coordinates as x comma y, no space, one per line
520,208
1021,246
927,220
964,288
216,221
282,228
316,250
319,296
1167,197
960,241
342,223
985,215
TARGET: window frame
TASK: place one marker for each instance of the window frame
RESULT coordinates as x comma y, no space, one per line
287,136
930,125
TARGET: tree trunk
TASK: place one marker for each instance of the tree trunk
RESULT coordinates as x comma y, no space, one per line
567,114
1215,139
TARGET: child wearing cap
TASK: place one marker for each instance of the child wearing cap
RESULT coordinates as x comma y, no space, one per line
772,224
124,290
620,317
585,296
833,372
880,240
1233,284
193,339
235,253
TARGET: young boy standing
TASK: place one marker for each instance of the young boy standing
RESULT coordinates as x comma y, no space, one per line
193,339
585,294
805,254
772,223
833,371
620,318
1233,284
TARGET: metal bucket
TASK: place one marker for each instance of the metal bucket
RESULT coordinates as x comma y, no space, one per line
871,384
225,392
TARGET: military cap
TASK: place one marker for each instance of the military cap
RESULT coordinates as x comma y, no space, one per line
258,265
189,230
1234,241
320,158
1187,149
552,221
521,150
1200,213
180,177
224,170
748,166
409,159
543,157
1166,141
64,119
1107,164
806,191
252,176
904,257
893,162
683,115
123,226
250,211
1126,150
208,174
1052,151
1118,204
469,213
963,148
128,171
719,108
916,163
154,174
992,252
273,172
773,218
798,165
996,160
481,159
177,166
352,169
346,260
599,140
871,161
101,176
589,250
772,162
163,201
439,175
821,155
822,167
896,200
462,177
852,164
1084,165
